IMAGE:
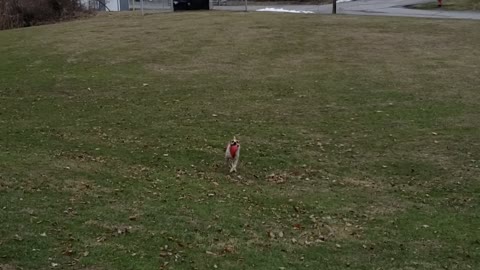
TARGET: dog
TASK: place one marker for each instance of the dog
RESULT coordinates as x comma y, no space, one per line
232,154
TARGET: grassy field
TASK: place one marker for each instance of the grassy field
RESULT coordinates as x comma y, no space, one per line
452,5
360,141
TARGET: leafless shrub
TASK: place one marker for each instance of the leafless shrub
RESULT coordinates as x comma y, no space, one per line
21,13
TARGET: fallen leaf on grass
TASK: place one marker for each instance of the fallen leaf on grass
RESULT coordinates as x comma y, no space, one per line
101,239
297,226
121,231
276,178
229,249
165,254
211,253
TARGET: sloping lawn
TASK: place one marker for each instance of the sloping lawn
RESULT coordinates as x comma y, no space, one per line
360,143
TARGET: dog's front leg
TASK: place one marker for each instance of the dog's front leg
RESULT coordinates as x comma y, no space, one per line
232,165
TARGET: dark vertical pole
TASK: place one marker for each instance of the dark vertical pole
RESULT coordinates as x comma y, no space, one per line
334,7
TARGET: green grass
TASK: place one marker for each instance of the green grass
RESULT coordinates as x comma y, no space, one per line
452,5
360,143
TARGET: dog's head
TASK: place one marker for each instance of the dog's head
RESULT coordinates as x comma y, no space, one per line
234,141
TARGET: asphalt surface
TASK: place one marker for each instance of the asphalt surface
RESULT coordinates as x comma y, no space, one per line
370,7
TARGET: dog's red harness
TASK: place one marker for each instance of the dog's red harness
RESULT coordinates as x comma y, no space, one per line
233,150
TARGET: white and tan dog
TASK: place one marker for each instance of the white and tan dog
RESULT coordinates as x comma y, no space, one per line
232,154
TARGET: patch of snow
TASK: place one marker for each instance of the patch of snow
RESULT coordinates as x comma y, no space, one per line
343,1
286,10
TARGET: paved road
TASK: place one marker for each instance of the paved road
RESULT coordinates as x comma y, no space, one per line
372,7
